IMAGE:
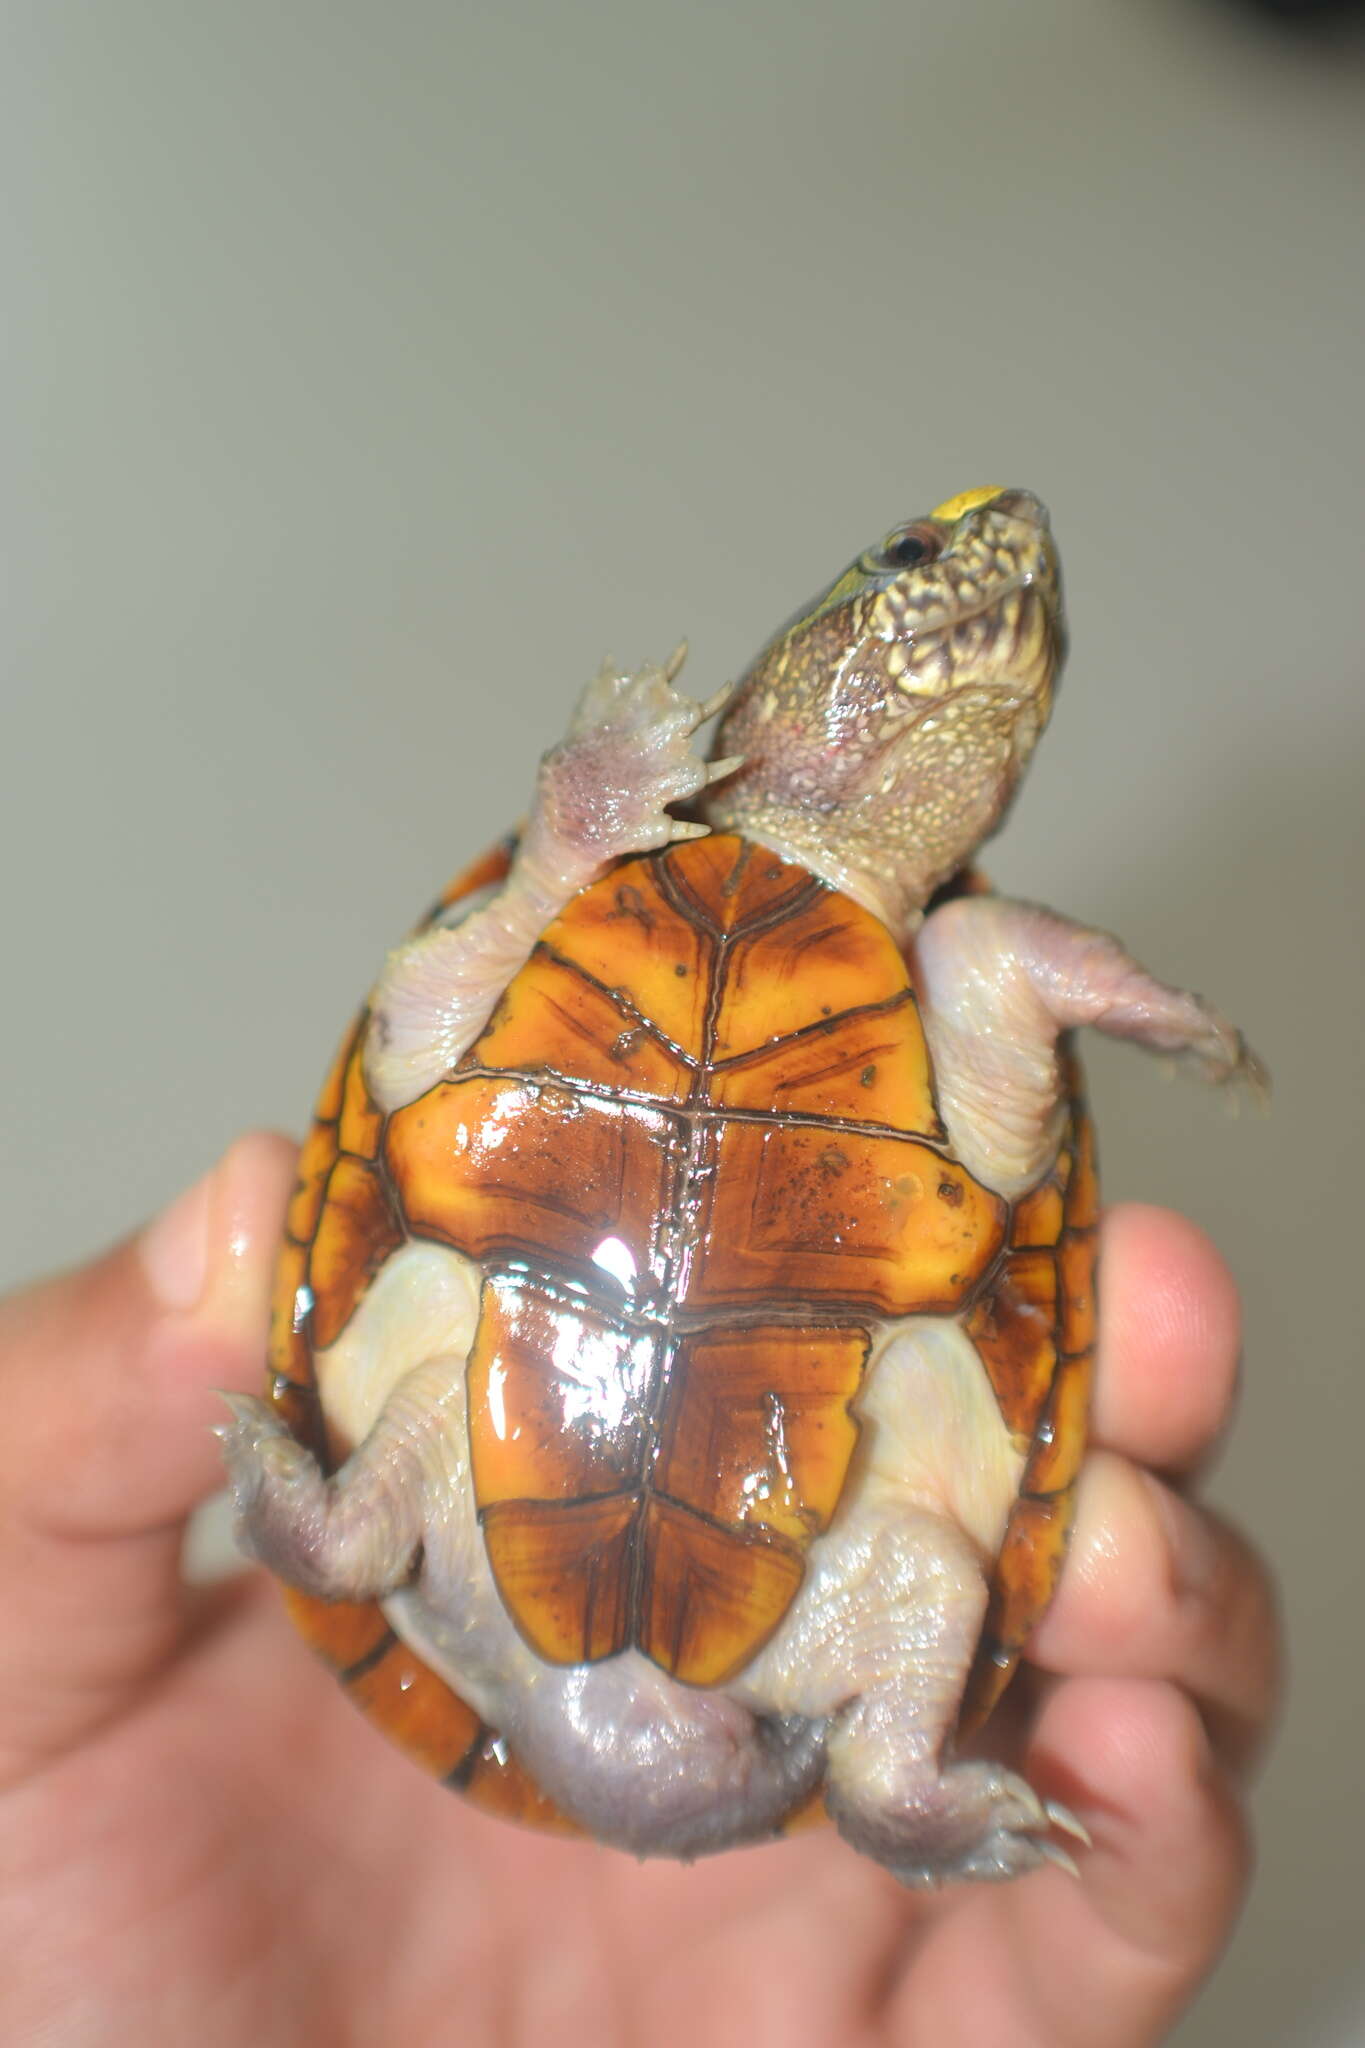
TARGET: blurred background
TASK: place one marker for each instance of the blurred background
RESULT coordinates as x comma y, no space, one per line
371,370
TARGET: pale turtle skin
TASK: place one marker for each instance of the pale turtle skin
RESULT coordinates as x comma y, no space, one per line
877,740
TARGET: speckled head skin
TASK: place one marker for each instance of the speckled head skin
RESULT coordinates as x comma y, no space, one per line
885,728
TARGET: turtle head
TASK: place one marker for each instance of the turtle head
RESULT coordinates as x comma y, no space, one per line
884,729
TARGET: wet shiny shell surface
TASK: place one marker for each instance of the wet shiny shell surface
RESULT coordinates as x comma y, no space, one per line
697,1154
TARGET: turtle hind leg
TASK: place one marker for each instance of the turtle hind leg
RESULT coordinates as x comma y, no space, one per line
893,1628
355,1535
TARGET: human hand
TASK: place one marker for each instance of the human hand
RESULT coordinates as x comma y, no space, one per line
202,1840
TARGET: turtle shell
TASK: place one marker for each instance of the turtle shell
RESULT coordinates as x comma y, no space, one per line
697,1154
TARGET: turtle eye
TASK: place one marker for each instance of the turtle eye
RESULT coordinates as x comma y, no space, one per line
910,547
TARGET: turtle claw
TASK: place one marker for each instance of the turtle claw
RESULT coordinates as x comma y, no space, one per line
247,1412
672,668
718,770
1051,1853
1065,1820
716,701
684,828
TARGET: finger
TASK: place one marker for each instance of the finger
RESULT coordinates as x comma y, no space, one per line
106,1378
1111,1960
1170,1338
1156,1587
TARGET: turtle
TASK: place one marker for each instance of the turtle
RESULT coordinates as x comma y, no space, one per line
683,1329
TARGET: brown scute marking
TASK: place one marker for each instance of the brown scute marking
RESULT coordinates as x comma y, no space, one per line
627,934
868,1066
552,1005
563,1570
712,1596
492,1778
731,884
1059,1445
494,1166
758,1433
1076,1257
778,978
362,1123
782,1216
558,1397
355,1234
1014,1328
416,1709
289,1353
316,1160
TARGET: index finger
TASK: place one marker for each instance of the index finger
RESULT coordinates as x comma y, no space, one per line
1170,1339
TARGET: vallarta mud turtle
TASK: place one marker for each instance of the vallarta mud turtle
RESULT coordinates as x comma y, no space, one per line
683,1330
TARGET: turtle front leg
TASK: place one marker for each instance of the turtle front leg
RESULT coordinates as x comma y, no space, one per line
601,793
355,1535
999,982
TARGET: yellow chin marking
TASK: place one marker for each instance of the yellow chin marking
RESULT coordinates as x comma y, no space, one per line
966,501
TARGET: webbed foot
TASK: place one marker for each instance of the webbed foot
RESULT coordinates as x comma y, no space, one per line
604,791
968,1821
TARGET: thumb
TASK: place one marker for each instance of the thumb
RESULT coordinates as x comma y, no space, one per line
106,1393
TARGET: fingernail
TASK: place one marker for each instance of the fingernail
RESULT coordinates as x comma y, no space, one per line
175,1247
1191,1544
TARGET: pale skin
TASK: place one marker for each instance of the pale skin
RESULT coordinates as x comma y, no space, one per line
203,1841
874,1694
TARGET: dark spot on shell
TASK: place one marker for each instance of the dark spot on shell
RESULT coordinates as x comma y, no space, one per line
680,971
631,903
834,1159
825,1010
868,1076
951,1191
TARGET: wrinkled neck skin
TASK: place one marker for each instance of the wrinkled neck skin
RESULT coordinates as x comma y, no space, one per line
895,892
891,850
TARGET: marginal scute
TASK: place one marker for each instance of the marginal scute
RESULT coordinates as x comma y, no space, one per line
1077,1261
1060,1443
1014,1328
362,1121
1045,1395
416,1709
290,1302
491,1778
355,1234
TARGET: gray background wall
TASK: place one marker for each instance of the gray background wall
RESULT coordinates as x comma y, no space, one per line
370,369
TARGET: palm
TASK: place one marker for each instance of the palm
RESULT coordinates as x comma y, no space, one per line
225,1851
